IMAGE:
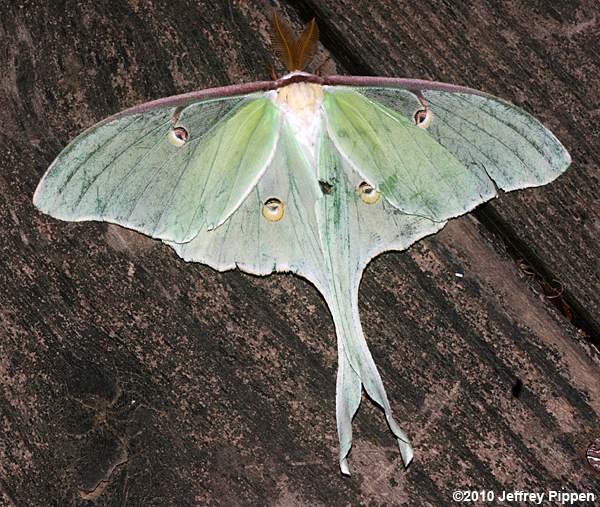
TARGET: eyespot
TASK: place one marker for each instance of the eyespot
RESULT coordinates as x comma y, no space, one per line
423,118
178,136
367,193
273,209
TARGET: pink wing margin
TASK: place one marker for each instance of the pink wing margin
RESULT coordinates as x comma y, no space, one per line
195,96
414,85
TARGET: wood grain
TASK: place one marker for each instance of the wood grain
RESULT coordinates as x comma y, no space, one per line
128,377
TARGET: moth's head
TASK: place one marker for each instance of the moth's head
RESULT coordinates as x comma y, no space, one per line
295,53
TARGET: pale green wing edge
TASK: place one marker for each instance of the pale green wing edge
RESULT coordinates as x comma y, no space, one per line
126,171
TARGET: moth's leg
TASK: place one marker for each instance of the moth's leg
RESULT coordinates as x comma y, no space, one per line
270,69
320,67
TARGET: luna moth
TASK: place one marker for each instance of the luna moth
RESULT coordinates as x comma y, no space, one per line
309,174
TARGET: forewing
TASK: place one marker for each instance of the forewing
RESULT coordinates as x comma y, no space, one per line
512,146
490,136
414,172
127,172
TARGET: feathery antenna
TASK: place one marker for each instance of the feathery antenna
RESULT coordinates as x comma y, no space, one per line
283,41
295,53
306,45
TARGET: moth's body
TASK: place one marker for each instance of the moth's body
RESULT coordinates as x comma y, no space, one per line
300,106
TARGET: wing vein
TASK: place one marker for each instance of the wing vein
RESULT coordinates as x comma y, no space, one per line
490,135
90,183
88,157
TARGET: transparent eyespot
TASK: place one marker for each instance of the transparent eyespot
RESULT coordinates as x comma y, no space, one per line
273,209
423,118
367,193
178,136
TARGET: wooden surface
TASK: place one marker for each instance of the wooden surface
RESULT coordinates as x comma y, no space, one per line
128,377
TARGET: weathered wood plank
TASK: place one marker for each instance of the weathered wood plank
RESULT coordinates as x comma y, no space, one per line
127,375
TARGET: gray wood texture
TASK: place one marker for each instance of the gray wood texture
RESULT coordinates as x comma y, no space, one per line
129,377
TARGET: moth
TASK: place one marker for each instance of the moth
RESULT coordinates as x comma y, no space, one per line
309,174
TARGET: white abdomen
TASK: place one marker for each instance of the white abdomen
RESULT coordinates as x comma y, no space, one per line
300,105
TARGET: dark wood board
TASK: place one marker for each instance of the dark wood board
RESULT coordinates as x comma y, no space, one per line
129,377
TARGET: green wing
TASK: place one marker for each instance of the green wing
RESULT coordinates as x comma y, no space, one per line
127,172
473,143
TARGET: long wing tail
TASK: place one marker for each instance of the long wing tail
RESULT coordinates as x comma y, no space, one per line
357,368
